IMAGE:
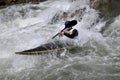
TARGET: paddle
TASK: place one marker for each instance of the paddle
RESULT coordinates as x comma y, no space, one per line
58,33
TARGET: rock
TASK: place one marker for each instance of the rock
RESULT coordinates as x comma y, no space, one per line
12,2
79,13
107,8
2,2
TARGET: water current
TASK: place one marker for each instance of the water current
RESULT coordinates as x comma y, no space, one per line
27,26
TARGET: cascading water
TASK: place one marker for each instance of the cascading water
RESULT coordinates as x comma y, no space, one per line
27,26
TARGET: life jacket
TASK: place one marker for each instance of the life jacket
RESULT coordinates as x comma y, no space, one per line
71,34
68,32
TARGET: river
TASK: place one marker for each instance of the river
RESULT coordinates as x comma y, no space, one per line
26,26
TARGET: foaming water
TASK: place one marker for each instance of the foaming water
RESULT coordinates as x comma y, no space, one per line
28,26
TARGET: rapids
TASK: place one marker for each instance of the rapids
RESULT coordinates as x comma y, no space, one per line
27,26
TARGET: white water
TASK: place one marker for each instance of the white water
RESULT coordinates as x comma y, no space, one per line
23,28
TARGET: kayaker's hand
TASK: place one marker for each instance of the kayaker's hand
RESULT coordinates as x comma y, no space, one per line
61,34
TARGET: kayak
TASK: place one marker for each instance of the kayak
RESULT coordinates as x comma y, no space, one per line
47,48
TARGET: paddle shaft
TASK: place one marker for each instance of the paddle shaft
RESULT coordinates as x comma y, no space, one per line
58,33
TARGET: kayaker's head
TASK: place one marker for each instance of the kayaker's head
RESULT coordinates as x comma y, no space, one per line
70,24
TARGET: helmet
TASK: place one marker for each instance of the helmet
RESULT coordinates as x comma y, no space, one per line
70,23
66,23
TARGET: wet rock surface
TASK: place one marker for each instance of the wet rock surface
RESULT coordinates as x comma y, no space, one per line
107,8
4,3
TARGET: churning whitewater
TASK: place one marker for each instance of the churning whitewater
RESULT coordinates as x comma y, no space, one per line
26,26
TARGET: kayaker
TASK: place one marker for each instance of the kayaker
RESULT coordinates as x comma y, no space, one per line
69,31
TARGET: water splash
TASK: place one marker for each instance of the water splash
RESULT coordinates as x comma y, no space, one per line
96,57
